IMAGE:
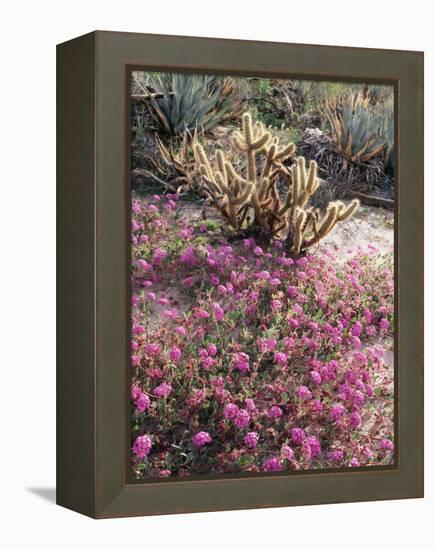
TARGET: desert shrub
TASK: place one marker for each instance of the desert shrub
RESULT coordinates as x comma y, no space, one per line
143,141
245,360
340,177
281,104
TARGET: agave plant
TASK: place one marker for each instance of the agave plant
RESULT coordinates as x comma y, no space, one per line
356,128
180,102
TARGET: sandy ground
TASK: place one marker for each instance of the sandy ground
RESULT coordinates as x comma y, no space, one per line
371,225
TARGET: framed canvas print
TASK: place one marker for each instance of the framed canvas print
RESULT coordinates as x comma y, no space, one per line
240,274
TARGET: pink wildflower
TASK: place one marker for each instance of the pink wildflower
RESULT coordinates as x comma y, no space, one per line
280,358
201,439
386,445
242,419
287,452
336,455
230,411
355,420
356,329
142,403
337,411
159,255
201,314
316,377
212,350
317,405
142,446
152,349
218,311
143,264
136,392
207,362
251,440
298,436
241,362
250,405
303,392
384,324
275,412
175,354
314,446
292,291
297,309
163,390
272,464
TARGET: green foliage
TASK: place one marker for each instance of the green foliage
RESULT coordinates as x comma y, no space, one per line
311,94
292,135
260,86
180,102
269,119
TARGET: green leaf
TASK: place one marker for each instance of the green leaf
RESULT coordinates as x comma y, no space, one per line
246,460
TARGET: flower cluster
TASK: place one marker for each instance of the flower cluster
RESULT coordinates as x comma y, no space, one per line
244,359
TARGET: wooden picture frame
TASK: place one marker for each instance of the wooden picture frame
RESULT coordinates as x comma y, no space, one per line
94,260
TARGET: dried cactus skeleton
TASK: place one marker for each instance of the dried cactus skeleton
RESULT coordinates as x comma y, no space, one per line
252,201
177,165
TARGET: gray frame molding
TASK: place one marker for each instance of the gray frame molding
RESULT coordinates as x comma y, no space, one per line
93,262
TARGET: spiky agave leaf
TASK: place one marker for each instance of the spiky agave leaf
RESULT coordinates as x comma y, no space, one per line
189,101
356,128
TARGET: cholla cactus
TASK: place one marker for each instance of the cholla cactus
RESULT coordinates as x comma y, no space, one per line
307,225
254,198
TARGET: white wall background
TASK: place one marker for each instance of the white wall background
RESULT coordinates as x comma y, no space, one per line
29,32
